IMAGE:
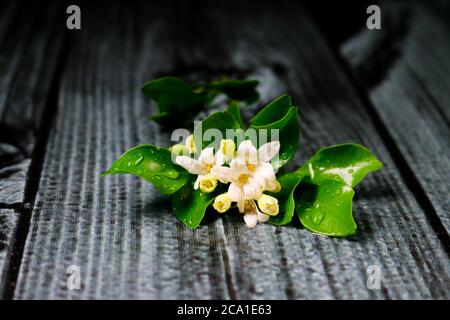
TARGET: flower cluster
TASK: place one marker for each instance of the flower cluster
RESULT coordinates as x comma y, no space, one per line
248,172
318,193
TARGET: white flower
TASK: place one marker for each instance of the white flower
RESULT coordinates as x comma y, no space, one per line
202,167
252,214
257,161
243,186
249,173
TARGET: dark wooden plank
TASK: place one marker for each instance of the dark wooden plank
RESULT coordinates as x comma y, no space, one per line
122,233
30,43
8,221
118,230
405,66
394,230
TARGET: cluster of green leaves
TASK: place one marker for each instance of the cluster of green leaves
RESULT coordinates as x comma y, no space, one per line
154,164
320,191
173,95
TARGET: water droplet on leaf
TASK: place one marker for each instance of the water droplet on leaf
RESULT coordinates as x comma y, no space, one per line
318,217
171,174
139,160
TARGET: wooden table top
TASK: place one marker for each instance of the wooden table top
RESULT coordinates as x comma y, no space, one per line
70,104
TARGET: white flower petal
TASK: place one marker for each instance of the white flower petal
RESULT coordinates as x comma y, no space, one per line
265,170
220,158
207,156
191,165
241,206
261,180
238,167
251,219
269,150
235,192
262,217
197,182
222,173
252,189
247,152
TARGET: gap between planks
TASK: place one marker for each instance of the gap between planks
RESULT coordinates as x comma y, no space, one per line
13,261
401,163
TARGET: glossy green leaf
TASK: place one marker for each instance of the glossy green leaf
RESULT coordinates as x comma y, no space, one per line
190,205
288,135
153,164
235,110
273,112
220,122
173,95
242,90
326,208
286,202
348,163
281,115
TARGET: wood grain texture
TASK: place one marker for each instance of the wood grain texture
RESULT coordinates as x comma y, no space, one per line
405,67
8,220
30,42
121,231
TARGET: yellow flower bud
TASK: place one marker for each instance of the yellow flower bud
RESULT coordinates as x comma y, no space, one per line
268,205
277,187
222,203
208,183
178,149
227,147
190,144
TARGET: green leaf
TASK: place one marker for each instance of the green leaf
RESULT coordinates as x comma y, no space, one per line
173,95
347,163
324,205
220,121
235,109
153,164
327,209
242,90
281,115
285,196
190,205
273,112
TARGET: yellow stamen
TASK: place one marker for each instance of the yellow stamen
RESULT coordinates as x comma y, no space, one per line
243,178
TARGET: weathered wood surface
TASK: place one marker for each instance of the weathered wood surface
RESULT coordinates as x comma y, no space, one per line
8,222
30,42
121,232
405,68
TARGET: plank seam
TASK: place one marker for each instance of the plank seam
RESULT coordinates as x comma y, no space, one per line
405,171
34,173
